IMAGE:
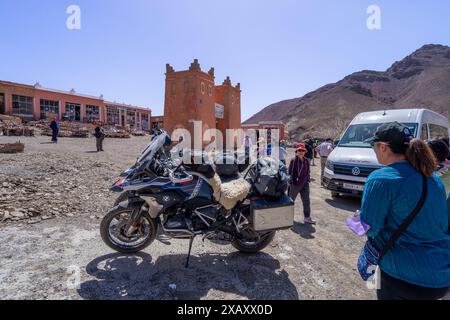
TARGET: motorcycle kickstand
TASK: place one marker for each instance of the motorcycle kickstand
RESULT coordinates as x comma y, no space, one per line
191,240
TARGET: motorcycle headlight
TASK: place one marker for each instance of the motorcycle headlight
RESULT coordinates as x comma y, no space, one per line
329,165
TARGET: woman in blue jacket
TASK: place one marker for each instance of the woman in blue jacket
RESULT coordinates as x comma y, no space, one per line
418,265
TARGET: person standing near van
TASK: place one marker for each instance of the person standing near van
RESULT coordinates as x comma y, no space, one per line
417,265
316,144
299,172
446,141
442,153
309,144
324,150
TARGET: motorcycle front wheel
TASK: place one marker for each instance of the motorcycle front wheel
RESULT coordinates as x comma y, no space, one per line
123,197
113,233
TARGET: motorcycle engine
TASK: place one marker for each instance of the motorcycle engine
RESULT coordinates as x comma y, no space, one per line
203,217
198,220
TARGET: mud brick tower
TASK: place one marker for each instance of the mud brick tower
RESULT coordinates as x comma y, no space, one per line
191,95
230,98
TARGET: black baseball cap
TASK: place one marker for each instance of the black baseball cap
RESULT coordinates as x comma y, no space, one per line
393,133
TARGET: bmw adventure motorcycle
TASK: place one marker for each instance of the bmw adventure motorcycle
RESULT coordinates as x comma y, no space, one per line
158,196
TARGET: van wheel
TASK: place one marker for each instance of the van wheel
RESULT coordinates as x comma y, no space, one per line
335,194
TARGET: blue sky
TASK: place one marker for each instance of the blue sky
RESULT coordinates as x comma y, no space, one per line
276,49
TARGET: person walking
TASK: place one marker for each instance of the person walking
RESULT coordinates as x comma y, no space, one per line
415,263
283,151
261,148
269,149
55,130
324,150
247,146
99,137
300,178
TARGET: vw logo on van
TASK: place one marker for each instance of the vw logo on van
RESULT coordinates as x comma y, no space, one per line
356,171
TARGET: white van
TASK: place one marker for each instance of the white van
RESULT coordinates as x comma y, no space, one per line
353,160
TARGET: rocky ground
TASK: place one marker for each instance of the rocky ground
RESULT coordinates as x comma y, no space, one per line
49,181
52,198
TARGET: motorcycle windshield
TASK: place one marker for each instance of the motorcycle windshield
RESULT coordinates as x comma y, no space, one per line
153,147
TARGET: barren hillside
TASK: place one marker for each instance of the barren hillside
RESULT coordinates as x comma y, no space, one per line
421,80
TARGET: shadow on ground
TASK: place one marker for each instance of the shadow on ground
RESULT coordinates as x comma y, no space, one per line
137,276
305,230
345,203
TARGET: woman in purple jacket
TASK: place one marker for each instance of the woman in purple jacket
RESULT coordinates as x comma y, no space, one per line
300,178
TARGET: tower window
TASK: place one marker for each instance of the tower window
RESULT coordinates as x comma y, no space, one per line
210,90
202,87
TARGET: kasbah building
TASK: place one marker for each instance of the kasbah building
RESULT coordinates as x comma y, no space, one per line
190,95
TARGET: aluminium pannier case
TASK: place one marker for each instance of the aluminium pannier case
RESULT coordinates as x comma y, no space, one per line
267,214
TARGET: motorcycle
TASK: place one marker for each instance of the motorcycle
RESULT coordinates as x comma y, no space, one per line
158,195
150,163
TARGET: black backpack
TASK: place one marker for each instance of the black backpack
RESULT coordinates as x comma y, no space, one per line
270,177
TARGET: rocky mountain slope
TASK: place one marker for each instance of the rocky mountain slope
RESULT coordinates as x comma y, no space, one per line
421,80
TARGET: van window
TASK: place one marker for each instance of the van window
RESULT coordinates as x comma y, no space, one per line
437,131
356,135
424,135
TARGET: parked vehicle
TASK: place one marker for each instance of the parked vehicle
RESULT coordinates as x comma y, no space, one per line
353,160
182,202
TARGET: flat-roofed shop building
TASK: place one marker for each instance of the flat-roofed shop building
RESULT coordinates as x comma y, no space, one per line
128,116
36,103
157,121
269,126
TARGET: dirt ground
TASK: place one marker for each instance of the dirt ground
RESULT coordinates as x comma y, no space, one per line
63,256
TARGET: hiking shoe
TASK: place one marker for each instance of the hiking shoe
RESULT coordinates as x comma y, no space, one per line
310,220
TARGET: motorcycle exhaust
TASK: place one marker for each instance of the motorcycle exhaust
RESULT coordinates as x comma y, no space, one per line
179,233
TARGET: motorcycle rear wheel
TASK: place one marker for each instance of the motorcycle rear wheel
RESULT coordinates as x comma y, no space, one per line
115,238
252,247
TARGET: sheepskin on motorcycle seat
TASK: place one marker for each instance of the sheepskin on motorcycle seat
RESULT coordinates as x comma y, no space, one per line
228,194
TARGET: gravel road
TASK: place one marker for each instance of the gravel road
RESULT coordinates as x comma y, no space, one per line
52,198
